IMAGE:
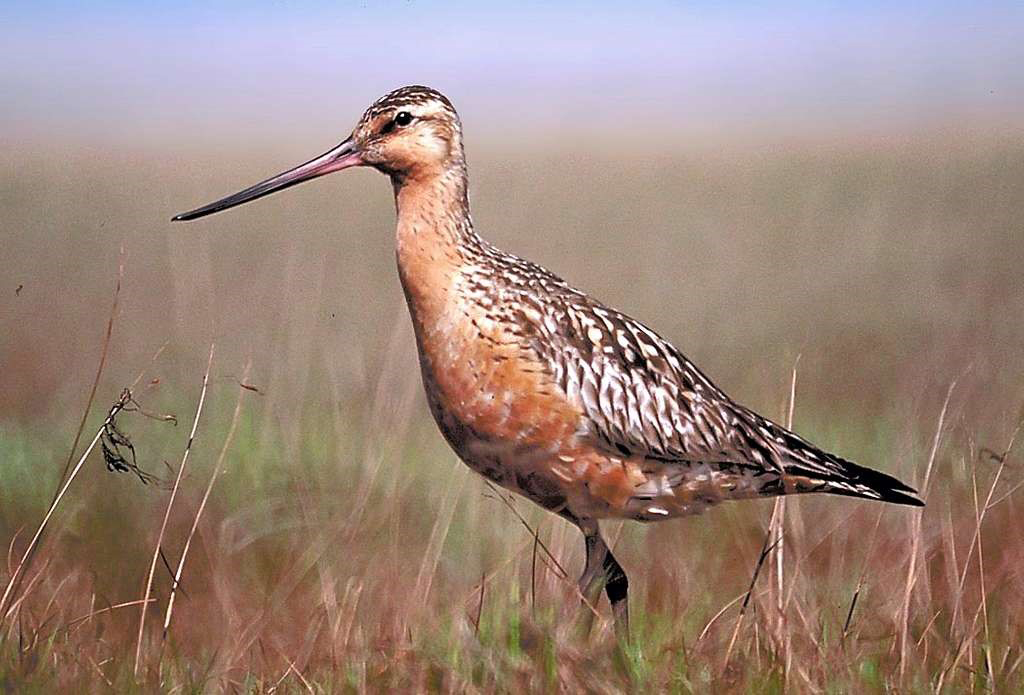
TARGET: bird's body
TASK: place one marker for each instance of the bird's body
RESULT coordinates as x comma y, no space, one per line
576,406
520,383
545,390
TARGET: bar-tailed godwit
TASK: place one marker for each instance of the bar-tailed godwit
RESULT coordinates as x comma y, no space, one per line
545,390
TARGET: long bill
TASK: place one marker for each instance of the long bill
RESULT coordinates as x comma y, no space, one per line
341,157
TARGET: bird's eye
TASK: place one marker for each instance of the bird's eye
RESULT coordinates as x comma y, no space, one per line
403,118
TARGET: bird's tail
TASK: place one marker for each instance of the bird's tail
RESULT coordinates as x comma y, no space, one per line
853,480
810,469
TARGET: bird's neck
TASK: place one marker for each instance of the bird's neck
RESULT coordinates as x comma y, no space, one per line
434,209
435,236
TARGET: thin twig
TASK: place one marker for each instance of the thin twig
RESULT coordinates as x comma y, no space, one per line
167,514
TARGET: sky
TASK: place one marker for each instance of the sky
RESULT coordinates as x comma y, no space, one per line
156,70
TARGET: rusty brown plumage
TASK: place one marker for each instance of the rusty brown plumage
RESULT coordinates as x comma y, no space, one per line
545,390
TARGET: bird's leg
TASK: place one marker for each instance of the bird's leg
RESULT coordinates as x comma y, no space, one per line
592,580
617,588
602,570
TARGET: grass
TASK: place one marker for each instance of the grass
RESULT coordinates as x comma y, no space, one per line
333,542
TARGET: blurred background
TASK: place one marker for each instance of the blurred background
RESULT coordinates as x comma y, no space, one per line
755,181
839,183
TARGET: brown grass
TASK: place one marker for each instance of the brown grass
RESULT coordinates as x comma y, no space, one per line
343,548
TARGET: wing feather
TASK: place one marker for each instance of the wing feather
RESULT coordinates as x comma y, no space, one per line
641,397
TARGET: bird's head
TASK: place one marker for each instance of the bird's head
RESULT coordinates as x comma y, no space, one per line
410,133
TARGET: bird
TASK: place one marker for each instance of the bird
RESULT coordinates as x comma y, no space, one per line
543,389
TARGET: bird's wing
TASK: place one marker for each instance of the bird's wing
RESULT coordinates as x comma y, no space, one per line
642,397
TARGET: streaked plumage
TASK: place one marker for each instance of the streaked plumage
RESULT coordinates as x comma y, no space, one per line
543,389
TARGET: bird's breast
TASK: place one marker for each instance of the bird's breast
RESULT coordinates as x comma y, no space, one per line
480,374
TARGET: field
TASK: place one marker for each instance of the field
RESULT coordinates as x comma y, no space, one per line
343,547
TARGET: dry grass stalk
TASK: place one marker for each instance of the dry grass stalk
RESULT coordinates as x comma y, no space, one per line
549,558
508,503
62,485
99,367
438,533
92,614
152,361
980,517
719,614
774,542
777,529
206,496
916,538
480,606
979,514
983,602
863,573
766,549
167,514
25,558
255,539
